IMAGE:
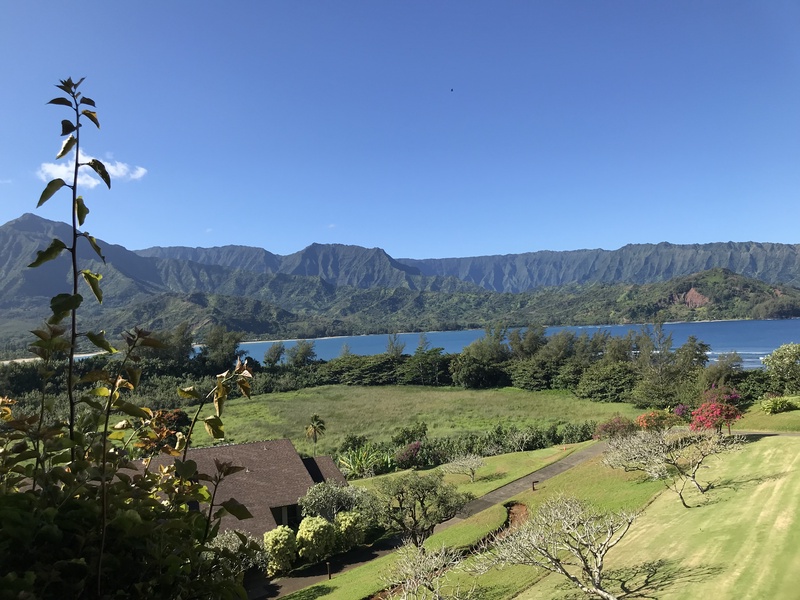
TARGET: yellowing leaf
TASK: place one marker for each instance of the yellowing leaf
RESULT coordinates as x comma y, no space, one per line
68,145
92,116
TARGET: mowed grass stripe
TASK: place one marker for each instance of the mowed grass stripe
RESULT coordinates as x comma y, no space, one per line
742,542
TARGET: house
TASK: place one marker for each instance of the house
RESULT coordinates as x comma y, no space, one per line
273,479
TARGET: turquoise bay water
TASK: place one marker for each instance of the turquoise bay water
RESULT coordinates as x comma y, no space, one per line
750,339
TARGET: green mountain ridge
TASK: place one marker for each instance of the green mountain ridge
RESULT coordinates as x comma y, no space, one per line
159,288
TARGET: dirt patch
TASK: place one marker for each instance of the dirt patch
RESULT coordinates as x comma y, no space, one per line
517,514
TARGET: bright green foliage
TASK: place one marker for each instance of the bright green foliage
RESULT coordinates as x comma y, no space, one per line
779,404
783,367
316,538
351,529
281,546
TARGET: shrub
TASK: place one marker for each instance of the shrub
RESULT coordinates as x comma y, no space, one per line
778,404
615,426
350,531
281,546
315,539
573,433
408,457
229,544
657,419
713,415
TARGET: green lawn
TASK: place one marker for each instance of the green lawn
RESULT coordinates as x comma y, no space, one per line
757,420
740,543
379,412
497,470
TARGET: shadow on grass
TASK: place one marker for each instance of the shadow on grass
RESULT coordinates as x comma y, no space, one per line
317,591
492,476
735,483
647,580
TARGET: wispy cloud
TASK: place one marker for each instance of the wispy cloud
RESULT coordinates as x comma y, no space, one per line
332,226
87,178
6,181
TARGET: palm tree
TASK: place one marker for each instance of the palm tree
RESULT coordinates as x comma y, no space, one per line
315,429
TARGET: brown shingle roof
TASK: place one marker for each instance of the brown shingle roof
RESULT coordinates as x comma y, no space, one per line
274,476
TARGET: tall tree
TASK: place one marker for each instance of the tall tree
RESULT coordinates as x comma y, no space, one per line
301,354
315,429
220,349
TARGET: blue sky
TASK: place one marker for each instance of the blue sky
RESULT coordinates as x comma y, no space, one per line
429,129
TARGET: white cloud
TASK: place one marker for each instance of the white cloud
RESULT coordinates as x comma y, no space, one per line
5,181
118,171
332,226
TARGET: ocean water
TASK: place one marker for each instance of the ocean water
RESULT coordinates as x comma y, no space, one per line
750,339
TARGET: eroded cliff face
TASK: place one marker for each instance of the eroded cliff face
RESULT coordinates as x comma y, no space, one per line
692,299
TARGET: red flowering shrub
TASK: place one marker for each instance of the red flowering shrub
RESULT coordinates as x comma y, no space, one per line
713,415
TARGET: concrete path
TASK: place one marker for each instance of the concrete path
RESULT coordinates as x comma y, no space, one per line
261,589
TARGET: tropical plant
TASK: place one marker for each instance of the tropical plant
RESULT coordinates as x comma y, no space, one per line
315,429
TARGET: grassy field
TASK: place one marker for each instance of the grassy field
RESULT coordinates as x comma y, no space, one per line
757,420
379,412
738,542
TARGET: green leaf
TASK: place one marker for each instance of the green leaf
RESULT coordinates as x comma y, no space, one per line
52,252
67,127
134,376
132,410
86,100
68,145
92,116
80,210
61,101
95,246
100,169
99,340
237,509
185,470
93,279
100,391
65,303
51,189
117,435
214,427
189,393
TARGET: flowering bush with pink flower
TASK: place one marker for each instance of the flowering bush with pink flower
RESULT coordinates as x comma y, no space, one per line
713,415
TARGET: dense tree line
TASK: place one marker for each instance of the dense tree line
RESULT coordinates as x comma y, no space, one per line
643,368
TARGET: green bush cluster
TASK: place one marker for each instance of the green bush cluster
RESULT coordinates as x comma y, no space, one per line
777,404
